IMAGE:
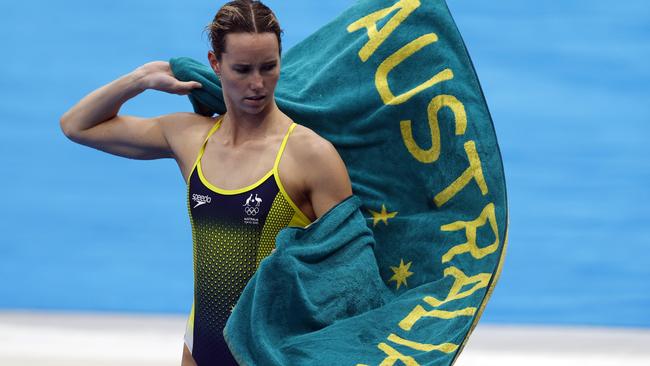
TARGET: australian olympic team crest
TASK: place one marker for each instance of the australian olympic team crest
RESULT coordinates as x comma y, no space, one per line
251,209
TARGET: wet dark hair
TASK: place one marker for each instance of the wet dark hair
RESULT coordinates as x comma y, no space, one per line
241,16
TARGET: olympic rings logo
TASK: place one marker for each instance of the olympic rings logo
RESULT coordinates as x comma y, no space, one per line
251,210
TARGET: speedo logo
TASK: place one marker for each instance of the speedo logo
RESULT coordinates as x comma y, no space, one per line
200,200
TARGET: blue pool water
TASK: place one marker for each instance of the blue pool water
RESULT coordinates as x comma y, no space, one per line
566,81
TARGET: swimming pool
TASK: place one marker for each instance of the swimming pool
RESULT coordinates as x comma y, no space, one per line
567,86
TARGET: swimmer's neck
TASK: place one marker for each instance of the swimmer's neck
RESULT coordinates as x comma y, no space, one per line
238,127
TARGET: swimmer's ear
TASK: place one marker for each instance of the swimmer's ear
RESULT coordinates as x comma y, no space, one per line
214,63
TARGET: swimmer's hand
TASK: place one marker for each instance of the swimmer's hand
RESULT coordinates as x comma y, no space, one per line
158,75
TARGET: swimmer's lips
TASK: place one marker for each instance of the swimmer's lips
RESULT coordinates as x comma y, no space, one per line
256,99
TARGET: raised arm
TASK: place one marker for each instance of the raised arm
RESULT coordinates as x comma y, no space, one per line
94,121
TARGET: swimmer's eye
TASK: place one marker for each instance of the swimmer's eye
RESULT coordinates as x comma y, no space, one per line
242,69
269,67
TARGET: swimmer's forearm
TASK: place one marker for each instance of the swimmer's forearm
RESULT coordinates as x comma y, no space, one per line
104,103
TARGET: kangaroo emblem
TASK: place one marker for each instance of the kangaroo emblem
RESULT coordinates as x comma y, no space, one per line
248,200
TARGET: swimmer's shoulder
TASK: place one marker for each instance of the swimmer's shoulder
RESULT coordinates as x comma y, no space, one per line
306,148
306,145
323,174
182,125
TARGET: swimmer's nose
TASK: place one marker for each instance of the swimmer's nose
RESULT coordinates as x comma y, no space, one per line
257,82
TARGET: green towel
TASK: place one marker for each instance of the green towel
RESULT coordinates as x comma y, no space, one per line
305,294
391,85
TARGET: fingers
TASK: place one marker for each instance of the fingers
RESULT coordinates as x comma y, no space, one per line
165,81
186,87
189,85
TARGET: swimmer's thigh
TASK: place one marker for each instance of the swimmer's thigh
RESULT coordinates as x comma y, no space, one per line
188,360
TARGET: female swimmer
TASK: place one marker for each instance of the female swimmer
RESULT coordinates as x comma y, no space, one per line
250,172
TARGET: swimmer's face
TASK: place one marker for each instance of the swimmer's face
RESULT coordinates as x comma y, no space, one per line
249,69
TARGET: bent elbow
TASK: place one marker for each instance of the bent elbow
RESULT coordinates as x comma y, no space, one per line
64,123
67,127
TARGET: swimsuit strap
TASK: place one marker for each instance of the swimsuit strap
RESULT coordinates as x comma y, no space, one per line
284,143
212,130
